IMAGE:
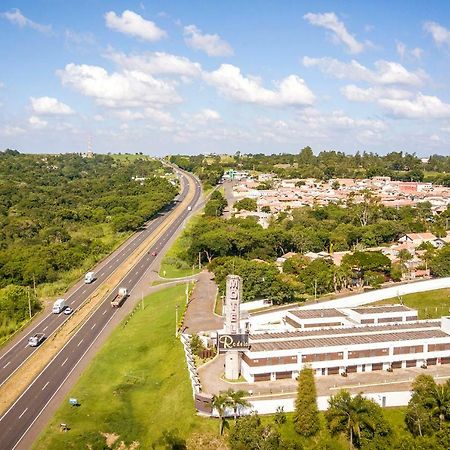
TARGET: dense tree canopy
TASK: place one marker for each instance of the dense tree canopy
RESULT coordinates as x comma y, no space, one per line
59,212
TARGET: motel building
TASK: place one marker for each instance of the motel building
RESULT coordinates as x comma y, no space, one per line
345,340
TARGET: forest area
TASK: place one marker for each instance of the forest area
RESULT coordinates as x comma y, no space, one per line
60,214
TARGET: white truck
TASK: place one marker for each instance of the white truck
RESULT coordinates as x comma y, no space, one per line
59,306
89,278
119,298
35,340
189,208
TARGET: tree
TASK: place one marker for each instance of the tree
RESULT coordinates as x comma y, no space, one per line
359,418
220,403
237,400
247,204
429,407
440,263
306,418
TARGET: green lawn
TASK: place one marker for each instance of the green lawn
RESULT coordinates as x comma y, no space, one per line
136,387
431,304
173,264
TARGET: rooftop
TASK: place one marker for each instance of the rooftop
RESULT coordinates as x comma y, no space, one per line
366,329
343,341
316,313
382,309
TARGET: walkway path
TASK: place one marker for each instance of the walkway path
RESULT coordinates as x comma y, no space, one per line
200,311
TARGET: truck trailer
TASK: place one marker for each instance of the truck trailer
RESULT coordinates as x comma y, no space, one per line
59,306
119,298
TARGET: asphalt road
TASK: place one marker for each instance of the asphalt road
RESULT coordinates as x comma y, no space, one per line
15,423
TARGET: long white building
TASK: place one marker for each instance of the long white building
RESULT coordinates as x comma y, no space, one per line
337,341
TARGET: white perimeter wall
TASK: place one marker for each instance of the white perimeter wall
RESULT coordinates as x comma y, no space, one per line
400,398
382,294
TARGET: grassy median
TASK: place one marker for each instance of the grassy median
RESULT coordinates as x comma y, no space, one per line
135,390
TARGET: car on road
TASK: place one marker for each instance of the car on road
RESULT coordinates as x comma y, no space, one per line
35,340
154,253
68,311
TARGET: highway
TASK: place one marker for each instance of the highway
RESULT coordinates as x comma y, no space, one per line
23,413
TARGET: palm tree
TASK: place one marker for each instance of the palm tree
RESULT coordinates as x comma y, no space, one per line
440,398
349,414
221,402
236,400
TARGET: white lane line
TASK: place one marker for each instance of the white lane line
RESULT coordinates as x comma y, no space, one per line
64,362
101,274
24,411
93,326
26,346
7,364
83,291
109,267
46,384
104,312
45,328
79,343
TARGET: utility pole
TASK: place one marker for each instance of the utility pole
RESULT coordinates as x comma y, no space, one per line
176,321
34,285
187,293
315,290
29,302
199,260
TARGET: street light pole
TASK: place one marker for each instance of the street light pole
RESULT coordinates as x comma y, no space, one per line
176,321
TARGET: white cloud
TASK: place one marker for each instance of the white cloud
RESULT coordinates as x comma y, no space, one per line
387,72
37,123
154,114
134,25
373,94
340,34
11,130
17,18
206,115
130,88
400,103
228,79
211,44
405,53
156,63
440,34
49,106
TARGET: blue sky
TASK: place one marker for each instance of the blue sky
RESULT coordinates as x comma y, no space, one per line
195,76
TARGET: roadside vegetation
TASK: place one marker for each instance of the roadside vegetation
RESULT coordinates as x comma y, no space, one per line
60,214
137,389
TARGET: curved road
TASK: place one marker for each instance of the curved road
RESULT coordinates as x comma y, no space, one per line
15,423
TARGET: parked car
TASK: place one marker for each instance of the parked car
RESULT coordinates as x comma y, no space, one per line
68,311
154,253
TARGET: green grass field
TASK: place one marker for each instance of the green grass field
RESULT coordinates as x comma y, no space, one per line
431,304
173,264
136,387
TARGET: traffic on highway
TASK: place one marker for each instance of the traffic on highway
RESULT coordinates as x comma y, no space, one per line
15,423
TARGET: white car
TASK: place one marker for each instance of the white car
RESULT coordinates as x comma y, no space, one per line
68,311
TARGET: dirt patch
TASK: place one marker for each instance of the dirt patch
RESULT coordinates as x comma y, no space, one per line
111,438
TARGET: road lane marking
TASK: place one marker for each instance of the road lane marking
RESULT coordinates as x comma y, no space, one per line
93,326
24,411
45,328
101,274
83,291
104,312
26,346
79,343
7,364
64,362
45,385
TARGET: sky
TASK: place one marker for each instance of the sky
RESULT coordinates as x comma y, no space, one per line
163,77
